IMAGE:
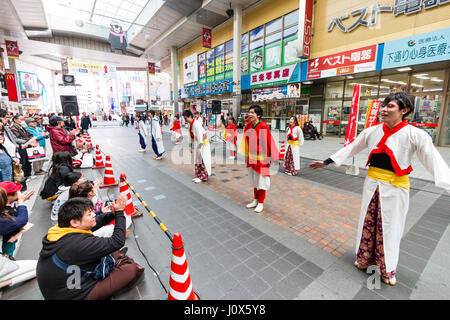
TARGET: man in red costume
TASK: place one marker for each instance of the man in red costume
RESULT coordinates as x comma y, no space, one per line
260,151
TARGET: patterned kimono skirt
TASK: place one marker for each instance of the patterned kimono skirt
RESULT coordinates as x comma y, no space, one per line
371,249
200,169
289,162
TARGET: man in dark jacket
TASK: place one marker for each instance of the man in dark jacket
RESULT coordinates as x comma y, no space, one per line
60,139
85,123
25,140
73,243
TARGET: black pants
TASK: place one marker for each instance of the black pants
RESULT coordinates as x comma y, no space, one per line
26,165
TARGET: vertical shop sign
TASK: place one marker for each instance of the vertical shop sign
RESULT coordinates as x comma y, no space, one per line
151,68
353,120
372,113
210,70
11,87
305,28
12,49
207,36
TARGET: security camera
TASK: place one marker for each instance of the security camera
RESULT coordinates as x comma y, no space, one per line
230,12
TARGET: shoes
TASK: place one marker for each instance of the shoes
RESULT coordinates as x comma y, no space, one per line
142,150
288,173
360,267
196,180
9,257
39,173
252,204
124,251
158,158
391,282
259,207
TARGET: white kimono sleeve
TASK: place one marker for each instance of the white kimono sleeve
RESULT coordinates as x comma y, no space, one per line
359,144
431,159
301,138
156,129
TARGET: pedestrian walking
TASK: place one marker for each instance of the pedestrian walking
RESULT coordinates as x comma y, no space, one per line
155,131
295,139
143,132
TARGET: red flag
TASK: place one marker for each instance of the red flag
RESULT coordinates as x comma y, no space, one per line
372,113
353,120
151,68
207,36
12,49
11,87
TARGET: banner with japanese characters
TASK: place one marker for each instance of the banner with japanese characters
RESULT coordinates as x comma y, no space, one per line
202,68
343,63
419,49
283,75
372,113
350,134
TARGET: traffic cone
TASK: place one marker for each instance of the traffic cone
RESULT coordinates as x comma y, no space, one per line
98,159
108,180
282,150
88,141
180,279
129,208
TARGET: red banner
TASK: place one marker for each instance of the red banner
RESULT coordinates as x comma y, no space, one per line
151,68
305,27
372,113
331,122
353,120
11,87
428,125
207,36
12,49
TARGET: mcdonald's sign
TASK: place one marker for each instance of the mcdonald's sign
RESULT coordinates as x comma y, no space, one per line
11,87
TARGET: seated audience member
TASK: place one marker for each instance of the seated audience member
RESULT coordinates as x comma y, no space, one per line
83,158
71,245
14,272
88,190
60,139
61,165
12,218
70,179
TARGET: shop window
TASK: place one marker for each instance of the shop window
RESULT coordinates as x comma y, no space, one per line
291,18
229,46
219,49
393,83
273,26
292,31
369,87
244,49
257,33
273,38
244,39
256,44
332,117
446,123
333,90
426,113
427,81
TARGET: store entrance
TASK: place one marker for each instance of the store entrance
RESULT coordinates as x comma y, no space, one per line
279,112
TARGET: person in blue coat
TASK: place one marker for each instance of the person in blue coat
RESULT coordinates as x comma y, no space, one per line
40,136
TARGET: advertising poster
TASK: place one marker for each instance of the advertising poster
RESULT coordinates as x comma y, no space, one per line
372,113
202,72
219,65
190,69
290,50
28,81
256,60
272,56
210,70
293,90
244,64
229,65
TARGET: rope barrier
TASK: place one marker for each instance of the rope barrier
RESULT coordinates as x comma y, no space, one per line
154,216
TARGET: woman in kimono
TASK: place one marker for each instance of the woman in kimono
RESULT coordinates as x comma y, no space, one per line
385,198
260,151
142,132
176,129
200,146
155,131
294,137
230,135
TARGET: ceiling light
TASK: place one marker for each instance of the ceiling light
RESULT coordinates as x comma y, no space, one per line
437,80
350,77
308,82
404,69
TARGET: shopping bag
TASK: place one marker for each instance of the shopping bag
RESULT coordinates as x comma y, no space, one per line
35,153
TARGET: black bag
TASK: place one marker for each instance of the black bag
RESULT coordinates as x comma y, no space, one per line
50,188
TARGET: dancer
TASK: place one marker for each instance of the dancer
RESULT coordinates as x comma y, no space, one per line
230,135
295,139
200,146
385,199
260,151
142,132
176,128
155,131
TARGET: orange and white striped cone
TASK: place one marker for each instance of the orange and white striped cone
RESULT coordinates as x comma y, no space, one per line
129,208
89,141
180,279
108,179
282,150
98,159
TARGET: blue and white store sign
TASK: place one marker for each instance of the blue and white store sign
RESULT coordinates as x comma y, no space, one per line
419,49
216,87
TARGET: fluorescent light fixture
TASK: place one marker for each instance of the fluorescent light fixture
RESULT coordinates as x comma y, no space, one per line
416,85
404,69
308,82
437,80
38,33
350,77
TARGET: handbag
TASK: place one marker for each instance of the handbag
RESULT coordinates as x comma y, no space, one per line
18,173
35,153
101,271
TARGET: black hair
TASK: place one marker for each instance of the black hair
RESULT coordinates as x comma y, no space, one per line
3,113
81,190
404,100
177,116
295,120
73,209
187,113
70,178
257,109
152,112
59,159
232,119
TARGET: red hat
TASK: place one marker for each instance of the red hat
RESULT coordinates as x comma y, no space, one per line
10,187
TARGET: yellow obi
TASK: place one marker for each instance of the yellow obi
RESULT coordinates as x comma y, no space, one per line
256,157
389,177
294,143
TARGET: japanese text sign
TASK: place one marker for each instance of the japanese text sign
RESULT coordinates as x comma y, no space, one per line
372,113
353,120
283,75
354,61
423,48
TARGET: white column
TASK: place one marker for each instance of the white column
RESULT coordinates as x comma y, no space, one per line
237,35
174,67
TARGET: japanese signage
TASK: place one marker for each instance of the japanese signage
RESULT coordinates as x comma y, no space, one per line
201,68
283,75
207,38
12,49
207,89
190,67
399,7
350,134
151,68
423,48
283,92
210,70
354,61
11,87
91,68
372,113
305,27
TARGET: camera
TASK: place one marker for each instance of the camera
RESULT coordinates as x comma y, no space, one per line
230,12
